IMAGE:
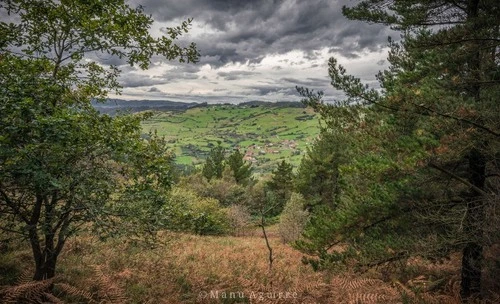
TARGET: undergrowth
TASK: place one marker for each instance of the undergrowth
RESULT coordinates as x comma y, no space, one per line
195,269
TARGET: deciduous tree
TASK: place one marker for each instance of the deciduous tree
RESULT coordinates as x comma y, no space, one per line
62,164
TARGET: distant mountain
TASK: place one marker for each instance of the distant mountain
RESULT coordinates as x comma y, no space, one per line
112,106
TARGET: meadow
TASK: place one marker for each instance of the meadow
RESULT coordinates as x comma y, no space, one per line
183,268
267,134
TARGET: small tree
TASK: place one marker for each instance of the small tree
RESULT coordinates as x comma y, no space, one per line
293,219
281,183
242,171
215,163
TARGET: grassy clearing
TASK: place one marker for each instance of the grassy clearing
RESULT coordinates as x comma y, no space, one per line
267,134
195,269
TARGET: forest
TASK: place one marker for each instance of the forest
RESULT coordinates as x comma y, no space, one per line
387,195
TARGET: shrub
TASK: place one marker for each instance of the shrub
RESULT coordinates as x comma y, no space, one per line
189,212
226,190
293,219
239,219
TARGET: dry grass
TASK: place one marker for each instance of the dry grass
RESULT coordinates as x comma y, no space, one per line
194,269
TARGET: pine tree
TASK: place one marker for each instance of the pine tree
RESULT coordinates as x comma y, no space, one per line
242,171
436,120
215,163
318,173
281,183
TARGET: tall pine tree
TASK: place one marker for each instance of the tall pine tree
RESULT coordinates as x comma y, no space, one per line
436,168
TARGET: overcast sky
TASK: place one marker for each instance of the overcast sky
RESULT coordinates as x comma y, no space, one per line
257,50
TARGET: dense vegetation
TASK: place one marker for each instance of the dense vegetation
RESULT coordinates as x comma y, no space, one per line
396,199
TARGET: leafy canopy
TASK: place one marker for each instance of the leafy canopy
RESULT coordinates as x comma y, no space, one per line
62,164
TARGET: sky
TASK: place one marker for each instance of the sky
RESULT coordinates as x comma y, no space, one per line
256,50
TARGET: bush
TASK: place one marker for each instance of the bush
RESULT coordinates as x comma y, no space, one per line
239,219
226,190
293,219
189,212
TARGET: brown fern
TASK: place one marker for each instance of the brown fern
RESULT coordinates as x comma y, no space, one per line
109,290
52,298
367,298
29,292
26,276
355,283
75,292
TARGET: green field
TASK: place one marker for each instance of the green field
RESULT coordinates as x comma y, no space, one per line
265,134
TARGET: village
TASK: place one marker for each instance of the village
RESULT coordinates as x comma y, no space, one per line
254,151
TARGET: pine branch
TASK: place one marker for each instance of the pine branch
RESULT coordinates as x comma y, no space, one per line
460,179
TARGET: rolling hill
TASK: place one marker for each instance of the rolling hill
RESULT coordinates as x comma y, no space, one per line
266,132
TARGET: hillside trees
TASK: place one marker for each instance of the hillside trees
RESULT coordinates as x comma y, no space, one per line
281,183
435,169
242,171
215,163
62,164
318,173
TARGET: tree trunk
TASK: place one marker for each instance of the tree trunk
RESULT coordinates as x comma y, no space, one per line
473,252
46,268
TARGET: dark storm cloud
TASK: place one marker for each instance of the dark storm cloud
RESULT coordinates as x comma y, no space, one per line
263,90
233,75
308,82
154,90
248,30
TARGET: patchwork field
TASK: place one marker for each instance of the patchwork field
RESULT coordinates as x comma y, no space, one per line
265,134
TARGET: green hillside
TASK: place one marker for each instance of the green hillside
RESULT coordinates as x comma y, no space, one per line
266,134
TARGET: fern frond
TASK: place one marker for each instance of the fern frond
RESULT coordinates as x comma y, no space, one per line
109,290
367,298
26,276
52,298
29,292
76,292
355,283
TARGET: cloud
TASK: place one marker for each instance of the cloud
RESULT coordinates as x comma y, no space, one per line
154,90
233,75
241,31
261,48
308,82
134,80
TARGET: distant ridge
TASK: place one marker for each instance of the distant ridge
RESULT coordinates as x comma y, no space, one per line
278,104
113,106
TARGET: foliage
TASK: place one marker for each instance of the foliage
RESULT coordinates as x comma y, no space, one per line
225,189
242,171
60,160
281,183
293,219
317,177
188,212
240,220
215,163
261,201
423,166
